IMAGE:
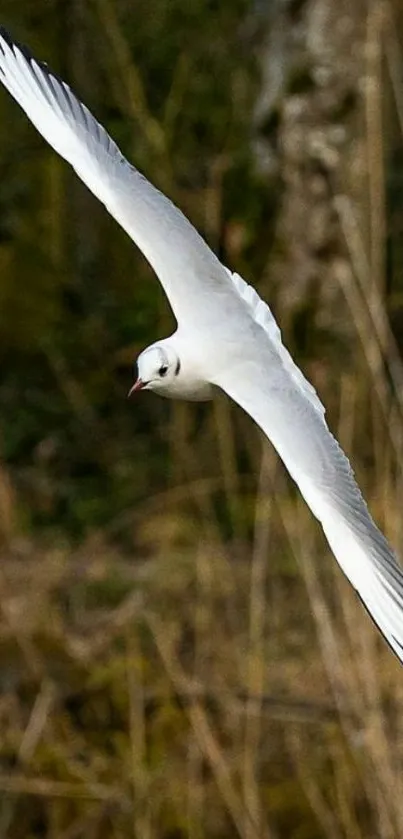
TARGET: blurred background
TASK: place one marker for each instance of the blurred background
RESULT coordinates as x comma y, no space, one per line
180,656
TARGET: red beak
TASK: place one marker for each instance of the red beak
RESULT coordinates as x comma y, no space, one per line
137,386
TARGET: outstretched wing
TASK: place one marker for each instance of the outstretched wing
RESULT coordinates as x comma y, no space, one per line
262,314
323,474
185,265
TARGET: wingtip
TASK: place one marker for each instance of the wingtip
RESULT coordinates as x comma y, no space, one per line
14,44
397,650
5,36
399,645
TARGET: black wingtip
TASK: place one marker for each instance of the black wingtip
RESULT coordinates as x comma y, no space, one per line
13,44
28,55
6,35
8,39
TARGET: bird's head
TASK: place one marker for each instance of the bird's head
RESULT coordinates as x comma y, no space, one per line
157,369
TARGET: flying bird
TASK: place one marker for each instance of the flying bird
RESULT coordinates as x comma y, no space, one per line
226,336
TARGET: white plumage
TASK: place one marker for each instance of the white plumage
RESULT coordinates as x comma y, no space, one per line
226,336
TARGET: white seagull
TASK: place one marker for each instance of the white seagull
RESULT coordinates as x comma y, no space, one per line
226,336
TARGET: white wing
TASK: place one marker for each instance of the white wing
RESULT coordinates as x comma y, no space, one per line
187,268
261,313
323,474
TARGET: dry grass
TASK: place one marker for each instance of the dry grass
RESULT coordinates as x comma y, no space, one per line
196,688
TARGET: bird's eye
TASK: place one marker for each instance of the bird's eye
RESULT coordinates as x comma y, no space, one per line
163,370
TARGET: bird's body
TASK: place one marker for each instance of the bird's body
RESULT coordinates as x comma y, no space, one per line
226,336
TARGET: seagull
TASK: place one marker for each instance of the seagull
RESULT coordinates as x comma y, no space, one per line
226,336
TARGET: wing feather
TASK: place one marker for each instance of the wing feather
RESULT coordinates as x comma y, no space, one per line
262,314
326,480
188,270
